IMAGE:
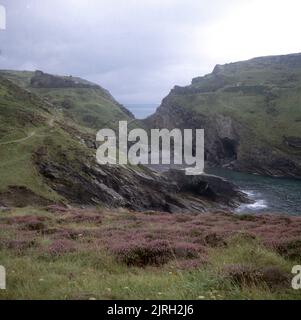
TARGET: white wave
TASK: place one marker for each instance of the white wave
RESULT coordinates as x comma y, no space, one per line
249,193
257,205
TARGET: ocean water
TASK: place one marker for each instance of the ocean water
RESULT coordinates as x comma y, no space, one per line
269,195
272,195
142,111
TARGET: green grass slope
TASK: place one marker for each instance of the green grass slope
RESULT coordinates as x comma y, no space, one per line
28,124
260,100
87,104
51,117
262,93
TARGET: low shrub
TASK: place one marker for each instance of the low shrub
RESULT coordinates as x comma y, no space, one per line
154,252
186,250
214,240
241,274
288,248
272,276
17,244
143,253
61,247
82,218
31,223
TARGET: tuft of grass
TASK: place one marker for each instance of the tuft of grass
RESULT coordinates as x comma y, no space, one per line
242,250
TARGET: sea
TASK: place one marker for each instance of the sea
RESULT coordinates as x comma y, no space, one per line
142,111
269,195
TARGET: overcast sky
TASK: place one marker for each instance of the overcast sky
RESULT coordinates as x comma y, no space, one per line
140,49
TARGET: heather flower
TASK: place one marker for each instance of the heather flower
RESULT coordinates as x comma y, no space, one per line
60,247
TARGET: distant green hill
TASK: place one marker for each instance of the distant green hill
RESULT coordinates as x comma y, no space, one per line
251,112
81,101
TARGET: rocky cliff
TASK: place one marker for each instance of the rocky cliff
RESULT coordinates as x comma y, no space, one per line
251,113
47,155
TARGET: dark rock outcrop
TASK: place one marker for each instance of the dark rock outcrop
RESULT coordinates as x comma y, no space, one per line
221,132
140,188
293,142
209,186
44,80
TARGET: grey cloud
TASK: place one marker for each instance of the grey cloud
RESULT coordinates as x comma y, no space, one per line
136,49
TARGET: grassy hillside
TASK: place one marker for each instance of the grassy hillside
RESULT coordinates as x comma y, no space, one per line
256,104
263,93
88,105
28,124
54,118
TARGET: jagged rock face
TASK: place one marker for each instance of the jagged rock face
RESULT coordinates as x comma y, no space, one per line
209,186
140,188
250,112
221,137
